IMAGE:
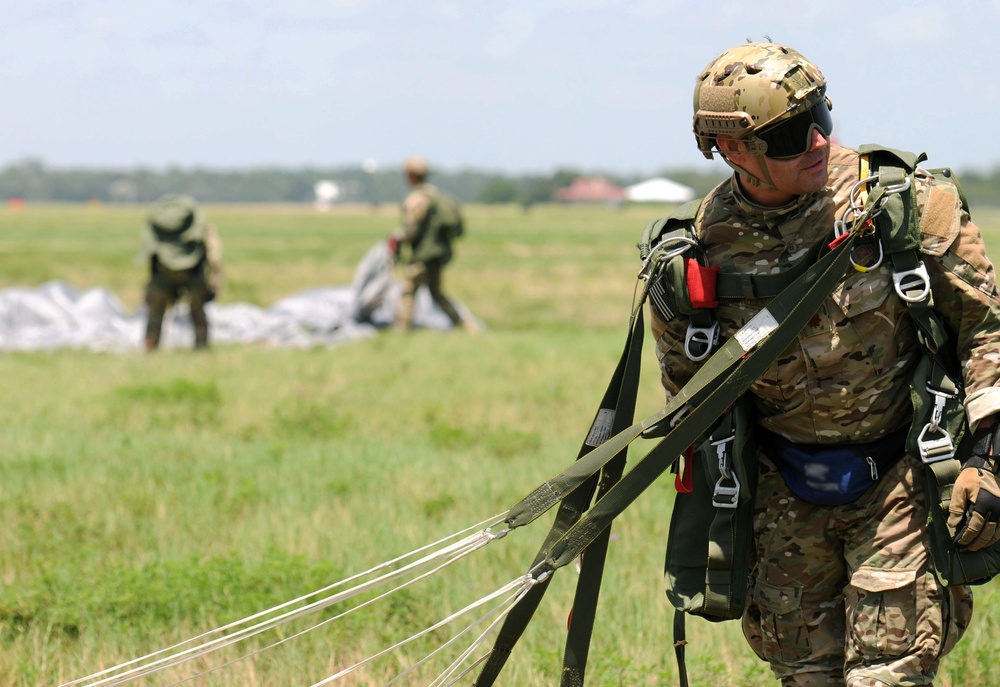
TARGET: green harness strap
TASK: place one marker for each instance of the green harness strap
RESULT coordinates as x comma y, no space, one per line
725,376
616,412
898,228
937,391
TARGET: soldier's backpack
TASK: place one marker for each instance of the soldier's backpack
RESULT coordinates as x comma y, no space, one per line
446,221
444,224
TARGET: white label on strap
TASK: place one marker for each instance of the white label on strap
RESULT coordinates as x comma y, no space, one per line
757,329
600,431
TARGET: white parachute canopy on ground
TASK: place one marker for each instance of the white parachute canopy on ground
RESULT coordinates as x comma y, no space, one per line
57,315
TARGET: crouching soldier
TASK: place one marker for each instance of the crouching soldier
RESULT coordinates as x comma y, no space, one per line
185,259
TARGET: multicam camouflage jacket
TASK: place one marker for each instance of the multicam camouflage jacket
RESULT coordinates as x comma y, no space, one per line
846,378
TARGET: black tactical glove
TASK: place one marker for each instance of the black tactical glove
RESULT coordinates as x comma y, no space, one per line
974,511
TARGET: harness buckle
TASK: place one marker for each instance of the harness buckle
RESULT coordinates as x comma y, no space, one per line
908,280
727,489
726,496
941,447
699,341
934,449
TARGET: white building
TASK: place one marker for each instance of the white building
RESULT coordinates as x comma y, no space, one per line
327,192
659,190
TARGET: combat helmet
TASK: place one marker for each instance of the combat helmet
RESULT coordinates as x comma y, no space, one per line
416,166
764,95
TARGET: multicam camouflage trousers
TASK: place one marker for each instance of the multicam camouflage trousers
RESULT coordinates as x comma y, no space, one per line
846,595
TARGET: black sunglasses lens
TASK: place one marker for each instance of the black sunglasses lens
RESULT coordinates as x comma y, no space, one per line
793,137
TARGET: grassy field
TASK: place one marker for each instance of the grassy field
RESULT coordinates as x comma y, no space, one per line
147,499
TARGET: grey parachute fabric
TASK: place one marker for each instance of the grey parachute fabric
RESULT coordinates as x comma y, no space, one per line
57,315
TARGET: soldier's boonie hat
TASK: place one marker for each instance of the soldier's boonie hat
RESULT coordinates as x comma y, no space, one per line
174,213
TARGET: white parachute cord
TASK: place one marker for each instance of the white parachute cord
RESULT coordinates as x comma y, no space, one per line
509,603
450,671
482,535
507,588
474,546
464,547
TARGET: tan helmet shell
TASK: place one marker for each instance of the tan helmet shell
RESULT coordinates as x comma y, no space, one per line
749,87
416,166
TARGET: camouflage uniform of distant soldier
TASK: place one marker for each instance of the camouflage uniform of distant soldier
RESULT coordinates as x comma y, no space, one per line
430,222
843,585
185,258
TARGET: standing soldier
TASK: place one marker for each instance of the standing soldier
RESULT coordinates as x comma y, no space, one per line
431,221
844,589
185,257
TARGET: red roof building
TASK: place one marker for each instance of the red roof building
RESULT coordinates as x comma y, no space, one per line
591,190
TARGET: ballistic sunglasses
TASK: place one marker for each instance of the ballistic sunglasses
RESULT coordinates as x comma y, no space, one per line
793,136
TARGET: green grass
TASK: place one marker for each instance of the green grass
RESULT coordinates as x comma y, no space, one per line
146,499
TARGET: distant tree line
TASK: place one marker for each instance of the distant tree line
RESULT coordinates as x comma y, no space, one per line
34,181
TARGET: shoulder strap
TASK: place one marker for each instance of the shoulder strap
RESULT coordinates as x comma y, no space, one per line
680,221
724,377
938,375
898,228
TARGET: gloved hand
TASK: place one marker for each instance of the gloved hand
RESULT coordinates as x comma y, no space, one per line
976,491
976,495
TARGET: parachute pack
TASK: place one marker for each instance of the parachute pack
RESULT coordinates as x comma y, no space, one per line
444,224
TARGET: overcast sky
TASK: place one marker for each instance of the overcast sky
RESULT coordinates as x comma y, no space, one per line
515,85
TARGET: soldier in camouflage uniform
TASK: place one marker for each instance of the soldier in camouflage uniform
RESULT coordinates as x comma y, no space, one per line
844,590
430,222
185,257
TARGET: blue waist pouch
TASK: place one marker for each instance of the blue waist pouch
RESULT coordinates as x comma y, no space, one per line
833,474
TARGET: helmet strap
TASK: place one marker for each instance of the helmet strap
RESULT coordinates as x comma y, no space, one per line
747,176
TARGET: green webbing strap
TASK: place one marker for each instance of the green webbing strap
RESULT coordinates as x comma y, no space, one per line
620,396
757,286
901,238
778,324
680,641
718,591
588,586
729,361
899,231
945,471
725,376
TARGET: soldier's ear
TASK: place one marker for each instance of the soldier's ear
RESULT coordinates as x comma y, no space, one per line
730,148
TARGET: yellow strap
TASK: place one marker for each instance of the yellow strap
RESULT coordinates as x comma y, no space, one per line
863,171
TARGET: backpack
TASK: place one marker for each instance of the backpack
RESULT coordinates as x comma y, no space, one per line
448,216
444,224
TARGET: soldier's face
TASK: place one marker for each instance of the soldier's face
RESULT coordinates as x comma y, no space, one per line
803,174
790,177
